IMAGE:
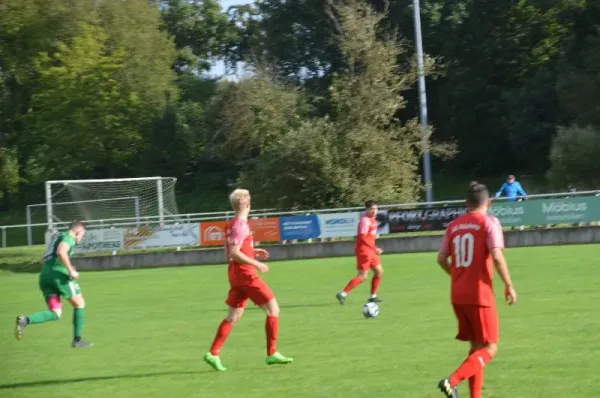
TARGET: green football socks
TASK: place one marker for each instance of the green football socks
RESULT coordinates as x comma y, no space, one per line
78,319
42,316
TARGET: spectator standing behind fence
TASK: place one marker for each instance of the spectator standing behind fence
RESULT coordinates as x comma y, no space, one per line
512,189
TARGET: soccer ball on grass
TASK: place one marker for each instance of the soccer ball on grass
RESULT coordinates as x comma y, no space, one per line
370,310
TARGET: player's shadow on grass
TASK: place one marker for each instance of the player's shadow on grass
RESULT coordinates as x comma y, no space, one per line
252,307
42,383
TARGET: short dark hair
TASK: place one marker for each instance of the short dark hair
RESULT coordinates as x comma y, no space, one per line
370,203
76,223
477,194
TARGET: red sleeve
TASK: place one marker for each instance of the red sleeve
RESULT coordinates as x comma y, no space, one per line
495,235
363,226
445,245
239,232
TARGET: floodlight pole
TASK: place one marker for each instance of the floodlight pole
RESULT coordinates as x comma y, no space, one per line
423,103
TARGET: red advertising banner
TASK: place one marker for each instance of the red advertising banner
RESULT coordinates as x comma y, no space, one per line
212,233
265,229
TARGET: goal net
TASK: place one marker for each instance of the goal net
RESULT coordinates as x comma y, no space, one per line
123,201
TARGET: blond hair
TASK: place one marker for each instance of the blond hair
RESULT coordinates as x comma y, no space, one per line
237,196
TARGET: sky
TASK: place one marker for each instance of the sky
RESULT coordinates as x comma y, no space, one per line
218,67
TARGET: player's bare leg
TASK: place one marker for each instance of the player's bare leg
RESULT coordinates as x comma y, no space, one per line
354,282
212,356
274,357
471,367
377,274
78,304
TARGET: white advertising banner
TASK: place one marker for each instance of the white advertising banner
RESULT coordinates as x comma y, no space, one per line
337,225
155,236
101,240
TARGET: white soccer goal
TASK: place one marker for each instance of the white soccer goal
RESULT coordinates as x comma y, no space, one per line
119,201
130,202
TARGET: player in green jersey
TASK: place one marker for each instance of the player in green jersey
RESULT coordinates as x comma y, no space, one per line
58,279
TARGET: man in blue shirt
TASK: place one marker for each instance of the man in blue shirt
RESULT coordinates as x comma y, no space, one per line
512,189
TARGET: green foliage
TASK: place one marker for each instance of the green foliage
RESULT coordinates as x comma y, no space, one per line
248,116
382,152
362,150
134,27
115,88
81,109
579,83
201,31
574,158
175,143
71,97
302,169
9,171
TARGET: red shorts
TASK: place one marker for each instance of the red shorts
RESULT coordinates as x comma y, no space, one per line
257,291
366,261
476,323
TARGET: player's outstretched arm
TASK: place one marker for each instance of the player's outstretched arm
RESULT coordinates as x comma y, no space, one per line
502,269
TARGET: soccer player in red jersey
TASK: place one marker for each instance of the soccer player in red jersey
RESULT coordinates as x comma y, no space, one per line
367,254
474,242
245,283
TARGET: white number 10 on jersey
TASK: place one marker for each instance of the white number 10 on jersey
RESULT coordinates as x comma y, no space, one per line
464,246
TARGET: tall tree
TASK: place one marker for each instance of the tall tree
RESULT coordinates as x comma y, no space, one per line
27,28
132,34
86,122
574,158
201,30
579,80
248,116
360,149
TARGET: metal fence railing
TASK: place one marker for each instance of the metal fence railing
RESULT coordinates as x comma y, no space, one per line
23,238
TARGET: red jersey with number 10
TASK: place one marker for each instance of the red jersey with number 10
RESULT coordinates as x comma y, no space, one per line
365,235
237,232
468,241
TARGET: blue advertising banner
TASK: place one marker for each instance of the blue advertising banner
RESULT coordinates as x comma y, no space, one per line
299,227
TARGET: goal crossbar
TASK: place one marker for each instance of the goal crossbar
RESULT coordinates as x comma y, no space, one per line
108,179
86,201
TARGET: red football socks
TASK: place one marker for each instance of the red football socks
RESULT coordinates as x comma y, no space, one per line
476,382
374,285
471,366
352,284
271,328
222,333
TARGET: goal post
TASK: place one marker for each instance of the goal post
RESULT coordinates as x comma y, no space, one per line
30,210
125,200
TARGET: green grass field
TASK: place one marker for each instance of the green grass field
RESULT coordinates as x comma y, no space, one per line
151,328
